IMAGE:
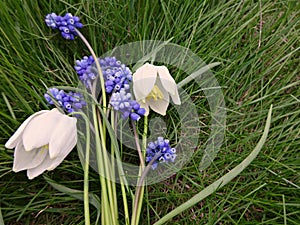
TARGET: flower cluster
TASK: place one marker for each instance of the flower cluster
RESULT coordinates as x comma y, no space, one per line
82,67
161,150
116,75
65,24
117,78
70,102
121,101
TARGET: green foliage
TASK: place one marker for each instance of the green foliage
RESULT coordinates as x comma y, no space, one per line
258,47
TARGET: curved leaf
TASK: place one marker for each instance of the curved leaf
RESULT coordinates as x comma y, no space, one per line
223,180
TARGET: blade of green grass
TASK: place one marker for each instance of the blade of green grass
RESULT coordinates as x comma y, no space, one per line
223,180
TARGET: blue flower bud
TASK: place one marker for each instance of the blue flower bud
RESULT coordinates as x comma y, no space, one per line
134,116
70,101
161,150
66,24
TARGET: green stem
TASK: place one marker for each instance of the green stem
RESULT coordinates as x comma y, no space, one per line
136,138
107,171
122,178
86,170
86,176
125,203
106,210
103,220
113,173
117,154
98,68
139,194
145,136
140,186
102,156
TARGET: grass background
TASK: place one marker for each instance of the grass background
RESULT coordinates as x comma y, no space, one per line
257,43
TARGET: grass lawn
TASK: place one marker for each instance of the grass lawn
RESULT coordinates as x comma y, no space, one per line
257,44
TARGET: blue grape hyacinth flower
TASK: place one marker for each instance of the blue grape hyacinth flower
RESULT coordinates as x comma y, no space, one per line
82,67
69,102
116,75
51,20
65,24
161,150
122,102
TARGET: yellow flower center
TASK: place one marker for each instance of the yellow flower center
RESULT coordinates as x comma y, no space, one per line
44,148
155,94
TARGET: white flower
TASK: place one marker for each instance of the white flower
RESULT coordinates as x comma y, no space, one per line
152,86
42,142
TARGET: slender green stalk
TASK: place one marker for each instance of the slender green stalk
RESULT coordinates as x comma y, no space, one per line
113,173
139,150
138,200
86,173
121,175
103,209
125,203
106,210
111,130
1,218
107,171
86,169
102,128
145,136
140,185
139,194
98,67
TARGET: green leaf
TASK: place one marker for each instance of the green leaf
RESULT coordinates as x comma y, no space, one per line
223,180
1,218
78,194
197,73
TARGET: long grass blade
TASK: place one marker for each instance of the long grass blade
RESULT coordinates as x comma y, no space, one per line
223,180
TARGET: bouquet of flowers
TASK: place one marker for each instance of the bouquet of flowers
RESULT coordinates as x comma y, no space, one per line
107,117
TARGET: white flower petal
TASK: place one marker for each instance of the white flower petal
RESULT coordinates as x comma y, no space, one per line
176,98
36,171
143,81
26,160
58,160
63,153
37,133
63,138
17,136
159,106
48,163
169,83
163,90
166,79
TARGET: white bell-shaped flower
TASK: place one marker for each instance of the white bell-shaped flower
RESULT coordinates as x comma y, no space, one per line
153,86
42,142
